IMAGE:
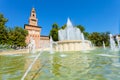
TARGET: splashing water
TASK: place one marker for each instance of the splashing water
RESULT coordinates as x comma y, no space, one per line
70,32
51,45
31,45
112,42
104,45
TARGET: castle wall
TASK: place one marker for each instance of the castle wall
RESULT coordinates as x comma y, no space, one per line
33,32
44,41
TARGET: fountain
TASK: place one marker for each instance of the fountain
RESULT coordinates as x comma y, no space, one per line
118,43
31,45
70,33
71,39
112,42
104,45
51,45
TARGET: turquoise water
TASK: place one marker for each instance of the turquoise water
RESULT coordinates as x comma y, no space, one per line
98,64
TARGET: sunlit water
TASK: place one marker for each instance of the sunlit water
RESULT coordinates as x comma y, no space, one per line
97,64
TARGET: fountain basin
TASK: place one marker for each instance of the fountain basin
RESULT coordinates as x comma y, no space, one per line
97,64
73,45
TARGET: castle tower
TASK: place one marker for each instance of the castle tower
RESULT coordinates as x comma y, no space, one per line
33,29
33,20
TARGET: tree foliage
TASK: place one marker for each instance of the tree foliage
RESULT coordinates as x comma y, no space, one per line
98,38
17,36
9,36
55,26
54,32
82,29
64,26
86,34
3,30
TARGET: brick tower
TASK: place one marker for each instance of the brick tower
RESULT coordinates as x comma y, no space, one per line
33,29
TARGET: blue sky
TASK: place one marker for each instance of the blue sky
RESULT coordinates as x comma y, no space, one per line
94,15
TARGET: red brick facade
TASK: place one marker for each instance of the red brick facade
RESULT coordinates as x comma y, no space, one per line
33,29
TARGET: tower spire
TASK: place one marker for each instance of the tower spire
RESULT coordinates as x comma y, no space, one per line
33,20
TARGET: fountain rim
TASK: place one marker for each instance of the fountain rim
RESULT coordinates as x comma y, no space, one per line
73,41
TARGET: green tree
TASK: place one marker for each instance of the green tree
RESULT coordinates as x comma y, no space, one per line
86,35
11,38
3,30
95,38
105,37
55,25
82,29
98,38
64,26
54,32
17,36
